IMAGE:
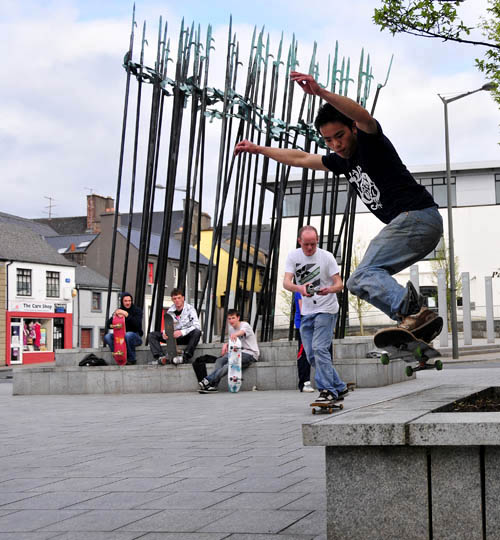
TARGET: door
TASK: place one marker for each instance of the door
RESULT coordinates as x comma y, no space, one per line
86,338
16,343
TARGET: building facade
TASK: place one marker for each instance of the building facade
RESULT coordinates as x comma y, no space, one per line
475,189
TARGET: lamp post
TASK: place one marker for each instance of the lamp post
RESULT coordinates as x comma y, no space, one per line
453,290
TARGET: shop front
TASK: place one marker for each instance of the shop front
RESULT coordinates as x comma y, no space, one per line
35,330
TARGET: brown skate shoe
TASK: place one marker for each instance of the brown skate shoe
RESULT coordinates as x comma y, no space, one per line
418,320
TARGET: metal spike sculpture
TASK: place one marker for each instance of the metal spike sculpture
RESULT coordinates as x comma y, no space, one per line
253,115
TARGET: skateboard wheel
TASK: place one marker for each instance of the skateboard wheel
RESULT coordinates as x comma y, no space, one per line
438,365
418,352
314,411
384,359
409,371
341,406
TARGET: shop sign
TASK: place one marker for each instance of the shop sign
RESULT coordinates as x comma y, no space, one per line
60,308
32,306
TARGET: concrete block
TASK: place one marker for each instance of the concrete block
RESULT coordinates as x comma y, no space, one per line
40,384
492,489
266,377
456,493
113,381
77,381
21,382
286,377
95,381
140,380
383,493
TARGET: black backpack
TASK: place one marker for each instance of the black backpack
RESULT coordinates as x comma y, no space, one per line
91,360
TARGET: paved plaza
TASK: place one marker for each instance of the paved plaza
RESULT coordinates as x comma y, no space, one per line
172,466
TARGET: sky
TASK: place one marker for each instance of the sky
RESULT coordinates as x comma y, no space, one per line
62,94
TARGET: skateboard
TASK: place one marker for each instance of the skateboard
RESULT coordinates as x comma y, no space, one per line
325,408
173,354
119,344
234,365
399,343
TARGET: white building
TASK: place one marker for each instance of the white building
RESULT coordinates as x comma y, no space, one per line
37,286
476,219
89,307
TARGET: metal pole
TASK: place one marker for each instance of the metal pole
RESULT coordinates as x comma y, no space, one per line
451,248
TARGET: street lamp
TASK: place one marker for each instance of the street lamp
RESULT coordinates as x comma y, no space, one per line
453,290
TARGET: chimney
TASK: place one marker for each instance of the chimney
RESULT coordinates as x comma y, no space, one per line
97,205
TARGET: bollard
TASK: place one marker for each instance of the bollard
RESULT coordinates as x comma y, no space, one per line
467,318
490,326
443,307
414,278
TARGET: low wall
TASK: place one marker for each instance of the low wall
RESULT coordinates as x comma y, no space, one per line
275,370
408,472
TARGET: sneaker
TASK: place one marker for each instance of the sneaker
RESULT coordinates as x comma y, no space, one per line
325,396
412,301
163,360
209,390
177,360
307,387
416,321
203,384
342,393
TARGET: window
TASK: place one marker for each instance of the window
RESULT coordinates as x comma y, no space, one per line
437,253
96,301
150,273
438,189
497,188
52,284
291,203
23,282
176,275
200,283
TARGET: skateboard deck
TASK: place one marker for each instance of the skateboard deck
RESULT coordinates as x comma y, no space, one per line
325,408
119,344
168,324
399,343
234,365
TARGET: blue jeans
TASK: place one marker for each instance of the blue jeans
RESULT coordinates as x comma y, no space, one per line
316,331
407,239
220,368
132,339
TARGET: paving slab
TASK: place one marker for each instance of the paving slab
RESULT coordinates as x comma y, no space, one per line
176,466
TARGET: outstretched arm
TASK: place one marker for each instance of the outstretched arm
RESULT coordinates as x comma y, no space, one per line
364,120
287,156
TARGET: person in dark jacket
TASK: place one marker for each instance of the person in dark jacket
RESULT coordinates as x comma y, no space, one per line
133,326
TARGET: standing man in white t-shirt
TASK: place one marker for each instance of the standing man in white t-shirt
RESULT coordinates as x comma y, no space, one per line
310,265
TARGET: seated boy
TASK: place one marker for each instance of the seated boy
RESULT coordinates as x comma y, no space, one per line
249,352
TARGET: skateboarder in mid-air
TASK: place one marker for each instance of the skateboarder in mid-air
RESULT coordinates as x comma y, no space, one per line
369,161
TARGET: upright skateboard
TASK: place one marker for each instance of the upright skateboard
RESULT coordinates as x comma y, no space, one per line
234,365
172,353
119,343
399,343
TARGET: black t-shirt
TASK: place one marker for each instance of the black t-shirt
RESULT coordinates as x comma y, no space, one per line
382,181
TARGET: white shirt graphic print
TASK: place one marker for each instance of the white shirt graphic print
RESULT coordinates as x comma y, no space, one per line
366,188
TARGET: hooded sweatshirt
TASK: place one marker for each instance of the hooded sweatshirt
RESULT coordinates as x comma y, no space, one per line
133,323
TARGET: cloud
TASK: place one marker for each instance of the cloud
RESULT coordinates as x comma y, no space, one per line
62,102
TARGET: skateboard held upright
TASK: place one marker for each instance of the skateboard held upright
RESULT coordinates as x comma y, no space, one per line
119,343
234,365
172,353
410,347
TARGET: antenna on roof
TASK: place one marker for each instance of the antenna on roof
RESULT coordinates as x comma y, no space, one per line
90,189
49,206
